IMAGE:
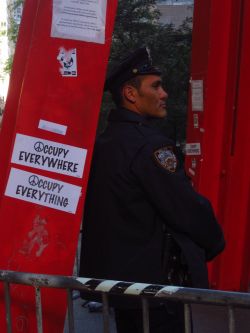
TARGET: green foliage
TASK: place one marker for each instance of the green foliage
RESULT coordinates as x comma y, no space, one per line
174,57
12,31
8,64
136,21
137,24
3,33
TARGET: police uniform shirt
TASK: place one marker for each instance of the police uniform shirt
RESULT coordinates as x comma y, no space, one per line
136,187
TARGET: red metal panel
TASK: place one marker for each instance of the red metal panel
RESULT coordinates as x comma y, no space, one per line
199,67
235,261
232,86
222,171
34,237
210,64
245,281
213,72
17,73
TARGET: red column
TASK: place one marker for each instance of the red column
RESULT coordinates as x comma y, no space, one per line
51,118
16,80
235,187
219,122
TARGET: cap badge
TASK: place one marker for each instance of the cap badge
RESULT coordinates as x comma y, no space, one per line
166,158
135,70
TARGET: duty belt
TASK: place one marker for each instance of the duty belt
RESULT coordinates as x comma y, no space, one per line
175,268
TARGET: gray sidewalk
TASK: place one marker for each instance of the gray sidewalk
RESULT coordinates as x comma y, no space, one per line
206,319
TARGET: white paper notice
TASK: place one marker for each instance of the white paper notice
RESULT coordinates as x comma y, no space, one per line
193,149
49,155
197,95
43,191
83,20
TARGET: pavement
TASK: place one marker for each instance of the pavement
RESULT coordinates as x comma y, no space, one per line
206,319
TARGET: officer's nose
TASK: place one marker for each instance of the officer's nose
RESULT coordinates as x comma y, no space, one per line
164,94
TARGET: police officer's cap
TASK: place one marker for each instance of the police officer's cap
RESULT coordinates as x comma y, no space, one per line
137,63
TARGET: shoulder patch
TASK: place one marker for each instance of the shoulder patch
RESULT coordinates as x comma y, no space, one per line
166,158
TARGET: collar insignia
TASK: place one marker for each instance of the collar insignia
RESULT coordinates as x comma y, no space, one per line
166,158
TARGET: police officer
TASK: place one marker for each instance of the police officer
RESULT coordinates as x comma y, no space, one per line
143,220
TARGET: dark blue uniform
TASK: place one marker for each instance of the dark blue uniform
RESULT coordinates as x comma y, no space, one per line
137,192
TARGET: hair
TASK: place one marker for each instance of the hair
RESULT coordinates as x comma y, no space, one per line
117,91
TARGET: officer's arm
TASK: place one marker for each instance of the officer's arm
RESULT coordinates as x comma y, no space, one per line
175,200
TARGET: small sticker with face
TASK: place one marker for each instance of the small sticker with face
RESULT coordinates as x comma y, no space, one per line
68,62
166,158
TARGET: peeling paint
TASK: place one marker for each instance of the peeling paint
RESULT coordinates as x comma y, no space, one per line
37,238
21,324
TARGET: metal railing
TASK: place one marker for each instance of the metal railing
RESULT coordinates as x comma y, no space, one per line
145,292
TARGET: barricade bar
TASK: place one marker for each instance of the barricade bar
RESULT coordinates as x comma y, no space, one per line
7,305
183,294
188,318
39,316
105,312
70,311
145,313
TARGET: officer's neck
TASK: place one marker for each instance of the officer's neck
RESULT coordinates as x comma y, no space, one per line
133,108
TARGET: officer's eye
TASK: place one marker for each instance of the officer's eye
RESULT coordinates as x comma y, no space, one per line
157,84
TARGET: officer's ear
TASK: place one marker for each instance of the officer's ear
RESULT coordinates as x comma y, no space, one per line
129,93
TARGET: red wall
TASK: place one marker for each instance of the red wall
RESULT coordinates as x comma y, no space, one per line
220,58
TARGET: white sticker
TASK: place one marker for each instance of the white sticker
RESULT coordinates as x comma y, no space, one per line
43,191
193,149
196,120
68,62
194,163
191,171
83,20
197,95
49,155
52,127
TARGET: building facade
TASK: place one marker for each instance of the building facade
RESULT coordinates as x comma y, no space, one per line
175,11
176,2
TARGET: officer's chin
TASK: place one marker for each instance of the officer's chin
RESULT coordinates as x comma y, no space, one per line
157,116
162,113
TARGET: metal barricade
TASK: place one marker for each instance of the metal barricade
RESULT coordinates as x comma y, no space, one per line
105,288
